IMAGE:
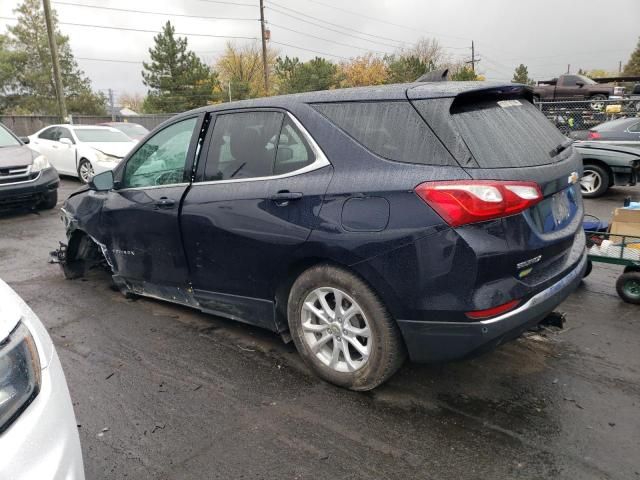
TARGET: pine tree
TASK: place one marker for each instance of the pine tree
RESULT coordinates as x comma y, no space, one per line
633,65
521,75
26,68
177,79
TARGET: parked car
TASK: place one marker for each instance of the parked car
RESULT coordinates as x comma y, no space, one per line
38,429
364,222
82,150
606,165
26,178
132,130
576,87
624,132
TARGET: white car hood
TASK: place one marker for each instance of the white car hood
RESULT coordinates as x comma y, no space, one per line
116,149
13,310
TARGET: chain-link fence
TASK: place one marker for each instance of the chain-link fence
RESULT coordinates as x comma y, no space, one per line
23,125
574,118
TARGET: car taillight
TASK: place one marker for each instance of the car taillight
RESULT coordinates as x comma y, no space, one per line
470,201
593,135
493,311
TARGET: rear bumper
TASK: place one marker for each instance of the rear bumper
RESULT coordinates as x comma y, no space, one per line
30,192
434,342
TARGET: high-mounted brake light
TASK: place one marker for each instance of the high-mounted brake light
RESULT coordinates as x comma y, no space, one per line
470,201
493,311
593,135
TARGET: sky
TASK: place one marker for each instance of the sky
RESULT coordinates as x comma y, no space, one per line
545,35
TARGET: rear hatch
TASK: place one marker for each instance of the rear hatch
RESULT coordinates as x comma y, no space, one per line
496,133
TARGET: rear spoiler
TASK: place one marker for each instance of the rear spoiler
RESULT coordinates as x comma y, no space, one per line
471,99
435,76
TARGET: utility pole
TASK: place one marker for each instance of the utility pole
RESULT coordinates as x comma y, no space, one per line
620,66
264,49
62,108
112,106
473,57
568,68
473,60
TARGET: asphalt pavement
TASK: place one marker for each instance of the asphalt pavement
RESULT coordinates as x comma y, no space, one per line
161,391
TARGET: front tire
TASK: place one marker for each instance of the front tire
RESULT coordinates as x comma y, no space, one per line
597,102
595,181
342,330
85,170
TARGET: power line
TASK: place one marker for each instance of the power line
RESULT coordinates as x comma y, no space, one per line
110,60
152,13
156,31
324,39
230,3
309,50
298,12
361,15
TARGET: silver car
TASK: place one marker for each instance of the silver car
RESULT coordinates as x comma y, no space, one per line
38,432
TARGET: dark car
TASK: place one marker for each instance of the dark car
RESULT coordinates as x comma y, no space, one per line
132,130
365,223
576,87
606,165
26,178
624,132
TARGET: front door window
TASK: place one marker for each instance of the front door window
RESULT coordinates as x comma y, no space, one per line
161,160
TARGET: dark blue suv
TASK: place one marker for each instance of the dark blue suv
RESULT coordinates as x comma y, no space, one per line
438,220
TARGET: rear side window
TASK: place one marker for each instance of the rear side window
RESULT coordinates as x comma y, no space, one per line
392,130
51,133
498,133
243,145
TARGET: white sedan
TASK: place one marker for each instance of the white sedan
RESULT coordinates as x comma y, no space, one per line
81,150
38,431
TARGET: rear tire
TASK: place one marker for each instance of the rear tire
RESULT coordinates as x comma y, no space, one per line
50,200
587,271
628,287
355,343
595,181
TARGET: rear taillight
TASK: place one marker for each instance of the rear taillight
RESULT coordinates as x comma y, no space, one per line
470,201
593,135
493,311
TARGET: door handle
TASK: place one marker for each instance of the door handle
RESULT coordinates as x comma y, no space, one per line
165,203
283,197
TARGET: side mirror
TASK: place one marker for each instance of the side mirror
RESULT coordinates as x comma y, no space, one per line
66,141
25,140
580,84
102,182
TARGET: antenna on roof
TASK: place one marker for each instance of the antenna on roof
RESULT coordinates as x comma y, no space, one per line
435,76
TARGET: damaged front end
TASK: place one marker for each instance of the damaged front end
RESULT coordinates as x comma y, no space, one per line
82,252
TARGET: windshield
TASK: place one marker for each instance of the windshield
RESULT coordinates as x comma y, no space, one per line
587,80
100,135
132,129
7,139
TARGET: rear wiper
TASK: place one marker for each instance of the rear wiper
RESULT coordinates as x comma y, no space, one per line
561,148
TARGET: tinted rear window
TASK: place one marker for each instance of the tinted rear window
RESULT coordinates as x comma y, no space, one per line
393,130
498,133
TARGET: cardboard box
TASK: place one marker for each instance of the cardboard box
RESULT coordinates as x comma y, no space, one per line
626,215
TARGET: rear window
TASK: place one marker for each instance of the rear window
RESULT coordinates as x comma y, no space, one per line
492,132
392,130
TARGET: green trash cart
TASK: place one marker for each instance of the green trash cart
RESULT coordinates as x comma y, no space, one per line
616,249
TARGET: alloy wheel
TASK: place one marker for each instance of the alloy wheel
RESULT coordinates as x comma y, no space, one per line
590,181
336,329
86,171
632,289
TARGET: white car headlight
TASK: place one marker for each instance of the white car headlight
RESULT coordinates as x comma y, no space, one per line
19,374
39,163
103,157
